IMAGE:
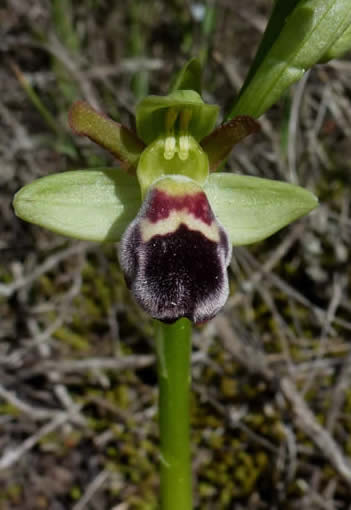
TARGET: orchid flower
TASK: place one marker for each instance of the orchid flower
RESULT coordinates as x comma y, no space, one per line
175,217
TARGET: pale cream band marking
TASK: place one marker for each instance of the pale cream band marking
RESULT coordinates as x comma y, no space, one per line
173,221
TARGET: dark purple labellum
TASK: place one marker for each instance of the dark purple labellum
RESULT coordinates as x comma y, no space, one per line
175,254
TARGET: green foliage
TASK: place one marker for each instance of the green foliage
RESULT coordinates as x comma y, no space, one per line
298,36
341,46
281,10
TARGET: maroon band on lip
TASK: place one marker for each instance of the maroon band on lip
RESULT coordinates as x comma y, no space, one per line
162,204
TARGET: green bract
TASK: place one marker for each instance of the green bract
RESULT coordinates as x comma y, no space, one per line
299,34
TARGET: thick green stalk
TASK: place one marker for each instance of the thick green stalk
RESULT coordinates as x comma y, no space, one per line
173,343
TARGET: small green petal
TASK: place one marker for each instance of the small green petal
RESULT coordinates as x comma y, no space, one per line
151,114
114,137
94,205
251,209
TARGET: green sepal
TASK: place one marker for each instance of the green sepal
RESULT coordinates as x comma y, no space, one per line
189,77
151,114
311,28
251,209
221,141
153,165
114,137
94,205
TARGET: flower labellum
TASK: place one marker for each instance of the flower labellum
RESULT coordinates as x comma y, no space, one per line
175,253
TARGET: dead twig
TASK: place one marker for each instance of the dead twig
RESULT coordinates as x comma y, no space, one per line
339,394
116,364
60,52
255,362
33,412
96,484
47,265
12,455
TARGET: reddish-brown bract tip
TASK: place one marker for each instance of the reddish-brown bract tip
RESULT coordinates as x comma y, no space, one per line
221,141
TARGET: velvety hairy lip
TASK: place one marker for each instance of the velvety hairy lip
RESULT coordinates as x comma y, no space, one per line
181,274
182,271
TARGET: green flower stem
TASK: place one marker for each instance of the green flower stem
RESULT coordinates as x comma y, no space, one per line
173,344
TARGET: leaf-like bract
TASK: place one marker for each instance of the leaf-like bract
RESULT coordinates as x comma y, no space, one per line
309,32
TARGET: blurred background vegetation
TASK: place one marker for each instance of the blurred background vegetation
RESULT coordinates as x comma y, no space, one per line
271,408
